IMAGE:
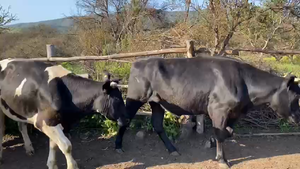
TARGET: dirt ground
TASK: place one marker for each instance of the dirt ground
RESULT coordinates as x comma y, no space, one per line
94,152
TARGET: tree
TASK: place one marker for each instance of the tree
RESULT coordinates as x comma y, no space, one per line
5,18
119,18
224,17
273,27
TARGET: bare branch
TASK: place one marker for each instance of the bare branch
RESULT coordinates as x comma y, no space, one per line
5,18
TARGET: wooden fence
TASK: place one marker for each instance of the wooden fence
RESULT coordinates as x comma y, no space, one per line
189,50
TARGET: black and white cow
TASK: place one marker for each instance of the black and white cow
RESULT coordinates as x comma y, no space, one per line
223,88
52,99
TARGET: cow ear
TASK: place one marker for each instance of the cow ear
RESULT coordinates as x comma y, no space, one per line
106,87
109,85
106,76
290,81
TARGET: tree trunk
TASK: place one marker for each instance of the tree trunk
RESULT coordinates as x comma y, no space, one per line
226,42
215,26
187,5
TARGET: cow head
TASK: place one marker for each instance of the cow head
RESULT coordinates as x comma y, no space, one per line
110,102
285,101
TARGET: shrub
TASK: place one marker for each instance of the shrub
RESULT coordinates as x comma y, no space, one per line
120,70
171,125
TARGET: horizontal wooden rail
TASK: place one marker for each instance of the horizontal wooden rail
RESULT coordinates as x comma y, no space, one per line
267,134
110,57
123,86
276,52
144,113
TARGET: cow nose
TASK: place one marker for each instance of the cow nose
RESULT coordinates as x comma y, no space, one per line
294,119
291,120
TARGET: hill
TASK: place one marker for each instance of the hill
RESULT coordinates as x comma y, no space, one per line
64,24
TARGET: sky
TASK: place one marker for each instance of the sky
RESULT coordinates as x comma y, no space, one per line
39,10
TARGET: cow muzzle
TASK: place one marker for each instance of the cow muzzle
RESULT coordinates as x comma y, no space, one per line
294,119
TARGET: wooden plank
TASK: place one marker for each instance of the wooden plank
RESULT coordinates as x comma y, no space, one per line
50,51
277,52
267,134
108,57
144,113
123,86
190,49
200,123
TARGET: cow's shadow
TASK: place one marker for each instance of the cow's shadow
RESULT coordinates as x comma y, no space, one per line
95,152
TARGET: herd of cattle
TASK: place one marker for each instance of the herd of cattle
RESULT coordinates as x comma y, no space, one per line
52,98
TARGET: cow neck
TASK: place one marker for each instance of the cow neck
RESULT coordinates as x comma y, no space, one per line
262,85
83,88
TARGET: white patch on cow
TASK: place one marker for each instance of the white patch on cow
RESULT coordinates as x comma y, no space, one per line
113,84
18,91
57,136
51,162
56,71
3,63
31,120
8,114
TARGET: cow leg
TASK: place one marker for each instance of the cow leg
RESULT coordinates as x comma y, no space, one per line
229,128
27,143
157,120
57,136
132,106
51,162
2,129
221,133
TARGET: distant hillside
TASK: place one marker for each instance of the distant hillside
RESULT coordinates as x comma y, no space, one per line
64,24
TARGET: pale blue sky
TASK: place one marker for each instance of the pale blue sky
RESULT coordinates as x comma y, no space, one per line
39,10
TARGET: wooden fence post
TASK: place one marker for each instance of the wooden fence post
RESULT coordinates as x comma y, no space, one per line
186,120
50,51
200,123
190,48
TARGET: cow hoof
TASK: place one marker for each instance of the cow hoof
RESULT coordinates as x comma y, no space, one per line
30,151
210,143
224,165
175,153
120,151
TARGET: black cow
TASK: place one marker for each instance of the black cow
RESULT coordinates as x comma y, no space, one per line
223,88
52,99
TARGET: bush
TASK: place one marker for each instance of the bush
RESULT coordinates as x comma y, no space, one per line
171,125
76,68
284,66
120,70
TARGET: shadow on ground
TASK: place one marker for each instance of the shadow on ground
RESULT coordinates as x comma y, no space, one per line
94,152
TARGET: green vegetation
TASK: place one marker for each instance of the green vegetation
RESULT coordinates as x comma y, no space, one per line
171,125
284,65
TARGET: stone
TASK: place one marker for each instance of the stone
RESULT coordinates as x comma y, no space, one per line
140,135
